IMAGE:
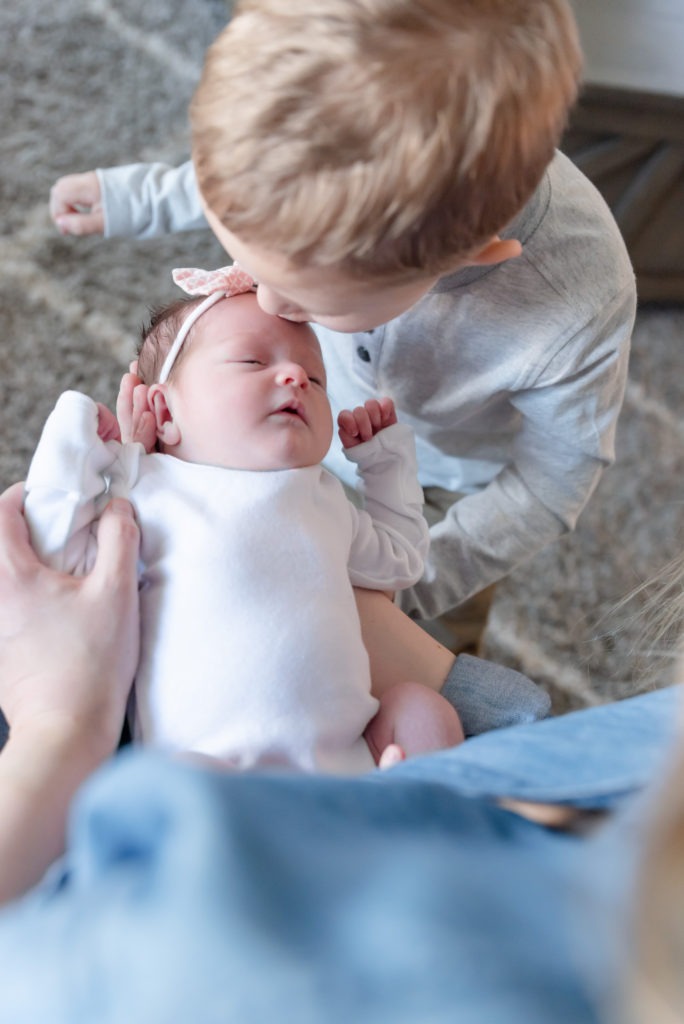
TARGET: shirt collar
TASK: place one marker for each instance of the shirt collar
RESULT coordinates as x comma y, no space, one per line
522,227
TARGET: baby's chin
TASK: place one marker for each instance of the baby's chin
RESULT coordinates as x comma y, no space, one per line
265,465
282,449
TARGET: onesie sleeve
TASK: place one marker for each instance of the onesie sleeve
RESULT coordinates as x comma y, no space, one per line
391,536
67,484
148,200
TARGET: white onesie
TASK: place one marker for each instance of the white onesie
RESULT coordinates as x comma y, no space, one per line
251,646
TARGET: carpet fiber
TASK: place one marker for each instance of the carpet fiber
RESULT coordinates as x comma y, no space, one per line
88,83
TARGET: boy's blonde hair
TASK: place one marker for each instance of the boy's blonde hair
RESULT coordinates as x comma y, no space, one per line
385,137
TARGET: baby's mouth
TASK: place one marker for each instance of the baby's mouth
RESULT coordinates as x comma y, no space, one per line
294,409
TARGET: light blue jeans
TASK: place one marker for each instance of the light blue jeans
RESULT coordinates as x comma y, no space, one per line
404,896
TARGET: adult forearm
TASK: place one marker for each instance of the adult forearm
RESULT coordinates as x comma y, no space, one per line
40,770
68,651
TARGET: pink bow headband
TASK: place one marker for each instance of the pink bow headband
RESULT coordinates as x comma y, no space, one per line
215,284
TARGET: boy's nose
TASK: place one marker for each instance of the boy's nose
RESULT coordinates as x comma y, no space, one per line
273,303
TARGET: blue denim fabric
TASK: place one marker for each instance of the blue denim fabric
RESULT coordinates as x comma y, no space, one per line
588,758
189,895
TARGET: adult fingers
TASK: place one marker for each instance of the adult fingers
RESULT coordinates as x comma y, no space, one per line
118,540
15,546
13,497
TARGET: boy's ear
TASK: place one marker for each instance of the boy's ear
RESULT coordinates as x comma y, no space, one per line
496,250
168,431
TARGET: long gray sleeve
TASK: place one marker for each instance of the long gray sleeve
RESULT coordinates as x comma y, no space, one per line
565,441
147,200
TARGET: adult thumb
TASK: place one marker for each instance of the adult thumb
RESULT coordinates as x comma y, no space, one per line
118,541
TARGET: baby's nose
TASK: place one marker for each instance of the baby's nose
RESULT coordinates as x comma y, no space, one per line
293,373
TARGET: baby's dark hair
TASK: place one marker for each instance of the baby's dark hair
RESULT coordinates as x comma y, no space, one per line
157,337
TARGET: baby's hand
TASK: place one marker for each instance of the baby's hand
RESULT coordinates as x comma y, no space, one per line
107,426
76,204
133,413
360,424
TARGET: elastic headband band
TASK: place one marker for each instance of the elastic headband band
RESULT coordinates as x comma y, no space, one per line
191,319
215,284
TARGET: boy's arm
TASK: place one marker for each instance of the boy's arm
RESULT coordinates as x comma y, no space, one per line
391,535
134,200
66,484
148,200
568,421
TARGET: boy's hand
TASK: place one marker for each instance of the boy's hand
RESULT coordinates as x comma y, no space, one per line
76,204
136,421
360,424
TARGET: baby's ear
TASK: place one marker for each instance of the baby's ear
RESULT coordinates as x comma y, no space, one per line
168,431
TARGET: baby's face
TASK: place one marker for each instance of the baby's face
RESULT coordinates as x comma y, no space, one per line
250,391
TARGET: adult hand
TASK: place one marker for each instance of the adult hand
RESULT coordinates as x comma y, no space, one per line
68,652
68,645
76,204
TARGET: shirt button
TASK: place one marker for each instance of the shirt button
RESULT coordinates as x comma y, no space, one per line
363,353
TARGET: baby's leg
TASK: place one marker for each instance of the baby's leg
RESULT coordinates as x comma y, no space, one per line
415,719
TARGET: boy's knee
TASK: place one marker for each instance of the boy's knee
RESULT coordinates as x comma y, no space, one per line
491,696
